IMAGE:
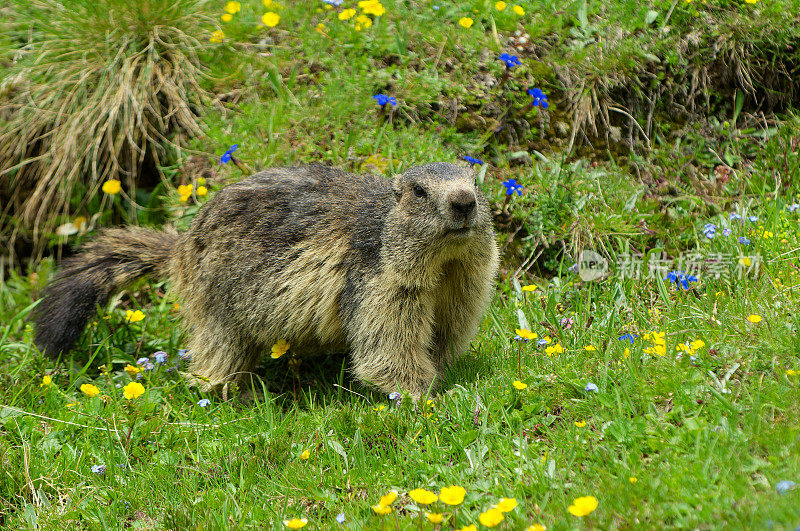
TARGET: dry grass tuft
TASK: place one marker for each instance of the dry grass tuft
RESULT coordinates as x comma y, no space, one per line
99,89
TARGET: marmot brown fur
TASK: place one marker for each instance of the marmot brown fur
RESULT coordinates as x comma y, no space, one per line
399,272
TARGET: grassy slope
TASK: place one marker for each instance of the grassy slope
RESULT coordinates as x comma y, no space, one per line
700,455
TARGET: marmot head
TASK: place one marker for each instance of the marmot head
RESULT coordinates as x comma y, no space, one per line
439,203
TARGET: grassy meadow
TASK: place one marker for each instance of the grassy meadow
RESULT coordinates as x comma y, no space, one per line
663,135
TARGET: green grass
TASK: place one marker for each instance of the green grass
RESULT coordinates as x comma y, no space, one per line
707,439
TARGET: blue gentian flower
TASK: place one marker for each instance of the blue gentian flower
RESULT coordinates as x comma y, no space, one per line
160,356
472,160
512,186
142,361
793,207
680,278
744,241
395,397
709,230
383,99
510,60
336,3
753,218
726,232
734,217
785,486
203,402
591,388
628,337
539,98
99,469
226,157
542,342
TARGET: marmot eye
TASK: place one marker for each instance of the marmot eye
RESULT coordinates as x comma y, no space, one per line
419,191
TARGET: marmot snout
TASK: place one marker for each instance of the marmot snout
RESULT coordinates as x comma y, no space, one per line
399,272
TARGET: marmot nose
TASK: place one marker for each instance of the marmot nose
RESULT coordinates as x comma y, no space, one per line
462,203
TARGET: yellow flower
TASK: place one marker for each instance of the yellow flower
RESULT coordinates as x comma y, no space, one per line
226,17
379,407
185,190
518,10
134,316
381,509
491,518
470,527
697,344
270,19
791,372
305,455
364,20
130,369
233,7
590,348
347,13
321,27
583,506
279,349
529,287
519,386
90,390
657,349
452,495
546,340
423,496
202,191
506,504
633,479
133,390
388,498
753,318
436,518
536,527
47,381
554,349
524,333
112,187
295,523
500,6
745,261
465,22
216,36
372,7
580,423
766,234
266,3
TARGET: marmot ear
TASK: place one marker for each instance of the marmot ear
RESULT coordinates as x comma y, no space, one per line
397,187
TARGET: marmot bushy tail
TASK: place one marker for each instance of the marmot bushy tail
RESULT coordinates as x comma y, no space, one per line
107,264
397,271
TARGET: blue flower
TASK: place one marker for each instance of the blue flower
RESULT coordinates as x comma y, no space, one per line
734,216
203,402
726,232
628,337
542,342
142,361
472,160
510,60
512,186
99,469
680,278
539,98
793,207
709,230
340,516
336,3
160,356
753,218
396,397
744,241
785,486
591,388
228,155
383,99
184,354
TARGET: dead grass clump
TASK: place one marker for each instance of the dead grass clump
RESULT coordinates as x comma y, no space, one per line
98,89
